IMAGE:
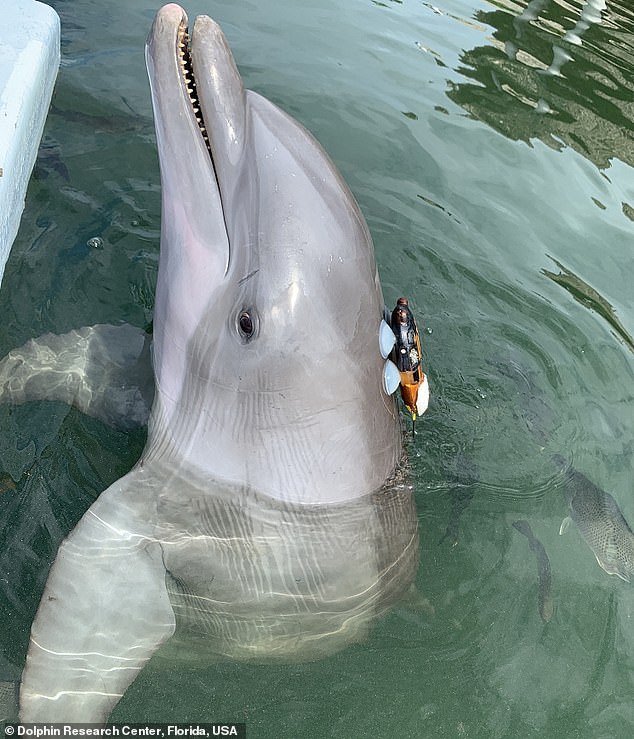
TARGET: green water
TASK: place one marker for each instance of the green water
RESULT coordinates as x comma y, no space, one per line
492,157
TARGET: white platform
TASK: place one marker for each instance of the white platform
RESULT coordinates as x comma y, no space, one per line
29,60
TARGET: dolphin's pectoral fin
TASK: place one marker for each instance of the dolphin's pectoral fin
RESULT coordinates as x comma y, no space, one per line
103,370
565,525
104,612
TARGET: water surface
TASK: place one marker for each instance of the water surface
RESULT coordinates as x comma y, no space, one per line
490,146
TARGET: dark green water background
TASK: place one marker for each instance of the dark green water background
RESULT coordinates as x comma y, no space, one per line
492,157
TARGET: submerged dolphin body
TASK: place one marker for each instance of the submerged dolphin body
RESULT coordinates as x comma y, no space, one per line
258,524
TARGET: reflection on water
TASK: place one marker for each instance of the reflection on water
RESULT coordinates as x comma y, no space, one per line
550,75
590,298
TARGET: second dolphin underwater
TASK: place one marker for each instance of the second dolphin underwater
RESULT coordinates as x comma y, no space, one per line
263,521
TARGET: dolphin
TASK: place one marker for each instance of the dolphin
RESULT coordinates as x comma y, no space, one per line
267,519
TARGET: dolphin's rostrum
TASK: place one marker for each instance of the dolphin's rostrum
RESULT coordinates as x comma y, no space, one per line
264,520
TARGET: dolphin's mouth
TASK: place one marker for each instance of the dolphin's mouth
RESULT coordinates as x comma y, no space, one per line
200,113
183,52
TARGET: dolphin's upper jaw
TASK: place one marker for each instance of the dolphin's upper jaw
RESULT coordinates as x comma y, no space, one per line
213,88
200,112
185,62
172,21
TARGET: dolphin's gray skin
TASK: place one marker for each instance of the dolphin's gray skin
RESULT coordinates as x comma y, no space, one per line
600,522
258,524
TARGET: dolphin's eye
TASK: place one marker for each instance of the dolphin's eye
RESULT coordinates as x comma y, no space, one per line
246,324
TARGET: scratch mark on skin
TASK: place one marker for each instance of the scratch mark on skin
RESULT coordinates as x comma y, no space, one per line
248,277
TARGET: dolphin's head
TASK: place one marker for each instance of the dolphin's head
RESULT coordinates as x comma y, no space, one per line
268,302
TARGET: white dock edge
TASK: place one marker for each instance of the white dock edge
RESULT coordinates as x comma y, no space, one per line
29,60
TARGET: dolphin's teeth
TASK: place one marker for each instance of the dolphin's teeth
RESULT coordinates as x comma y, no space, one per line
185,62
